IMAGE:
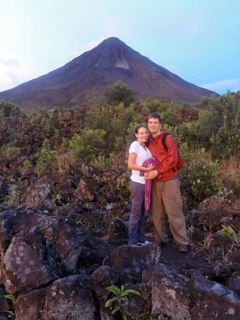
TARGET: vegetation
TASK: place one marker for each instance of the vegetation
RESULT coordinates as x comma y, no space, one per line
120,301
208,136
118,92
47,159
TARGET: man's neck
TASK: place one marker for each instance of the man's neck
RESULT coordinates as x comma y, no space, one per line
156,134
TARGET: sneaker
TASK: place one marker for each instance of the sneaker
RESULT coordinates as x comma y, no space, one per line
132,245
183,248
143,243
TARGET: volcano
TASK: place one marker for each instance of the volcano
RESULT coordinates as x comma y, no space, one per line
84,79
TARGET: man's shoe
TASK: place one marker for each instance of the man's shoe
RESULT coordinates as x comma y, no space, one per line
183,248
162,243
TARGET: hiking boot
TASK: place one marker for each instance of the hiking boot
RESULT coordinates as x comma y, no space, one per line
183,248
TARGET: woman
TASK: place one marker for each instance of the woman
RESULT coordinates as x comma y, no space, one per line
138,153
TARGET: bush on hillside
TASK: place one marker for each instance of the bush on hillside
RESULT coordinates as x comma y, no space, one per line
86,147
47,159
118,92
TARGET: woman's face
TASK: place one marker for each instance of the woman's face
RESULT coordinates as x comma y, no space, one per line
142,135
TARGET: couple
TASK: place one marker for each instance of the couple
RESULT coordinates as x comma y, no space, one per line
165,186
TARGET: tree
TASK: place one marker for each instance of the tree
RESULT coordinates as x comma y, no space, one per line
118,92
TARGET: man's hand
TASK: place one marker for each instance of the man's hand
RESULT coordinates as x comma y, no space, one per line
150,175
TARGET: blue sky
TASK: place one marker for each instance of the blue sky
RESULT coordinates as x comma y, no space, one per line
199,40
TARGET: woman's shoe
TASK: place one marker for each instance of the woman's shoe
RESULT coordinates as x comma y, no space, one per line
143,243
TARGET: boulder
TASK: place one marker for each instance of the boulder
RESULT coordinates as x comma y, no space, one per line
220,270
170,295
67,298
223,201
178,297
35,249
24,265
119,232
30,305
83,193
94,251
102,278
133,260
234,283
39,195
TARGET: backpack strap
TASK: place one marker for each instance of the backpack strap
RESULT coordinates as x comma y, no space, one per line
165,146
164,140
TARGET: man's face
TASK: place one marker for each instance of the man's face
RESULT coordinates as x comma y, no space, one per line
154,125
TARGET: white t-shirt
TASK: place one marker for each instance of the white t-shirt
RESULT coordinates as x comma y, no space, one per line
142,155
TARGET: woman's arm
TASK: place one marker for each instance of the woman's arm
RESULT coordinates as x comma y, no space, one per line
132,165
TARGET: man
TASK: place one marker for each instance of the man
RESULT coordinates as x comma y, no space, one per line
165,186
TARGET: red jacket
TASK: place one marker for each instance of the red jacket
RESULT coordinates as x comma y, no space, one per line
167,159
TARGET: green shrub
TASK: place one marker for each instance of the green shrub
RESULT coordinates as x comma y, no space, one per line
118,92
10,153
27,164
203,179
88,146
3,151
47,159
225,143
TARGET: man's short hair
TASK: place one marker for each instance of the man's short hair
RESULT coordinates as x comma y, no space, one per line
156,116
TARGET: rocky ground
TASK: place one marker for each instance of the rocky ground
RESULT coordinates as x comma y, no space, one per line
66,242
63,241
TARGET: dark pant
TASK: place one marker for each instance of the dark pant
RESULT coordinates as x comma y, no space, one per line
137,216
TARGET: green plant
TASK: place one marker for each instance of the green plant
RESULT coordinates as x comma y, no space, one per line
87,146
10,297
47,159
207,246
27,164
118,92
208,241
234,235
11,153
126,185
203,179
12,198
87,207
3,151
120,300
190,231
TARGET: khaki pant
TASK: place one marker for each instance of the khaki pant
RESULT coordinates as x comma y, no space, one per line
166,194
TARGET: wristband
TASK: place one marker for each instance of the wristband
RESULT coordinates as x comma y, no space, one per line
156,172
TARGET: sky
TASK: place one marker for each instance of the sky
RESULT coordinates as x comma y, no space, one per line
199,40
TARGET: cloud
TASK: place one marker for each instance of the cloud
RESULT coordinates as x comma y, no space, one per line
9,62
222,86
14,71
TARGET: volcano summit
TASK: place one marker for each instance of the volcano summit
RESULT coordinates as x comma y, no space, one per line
85,78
